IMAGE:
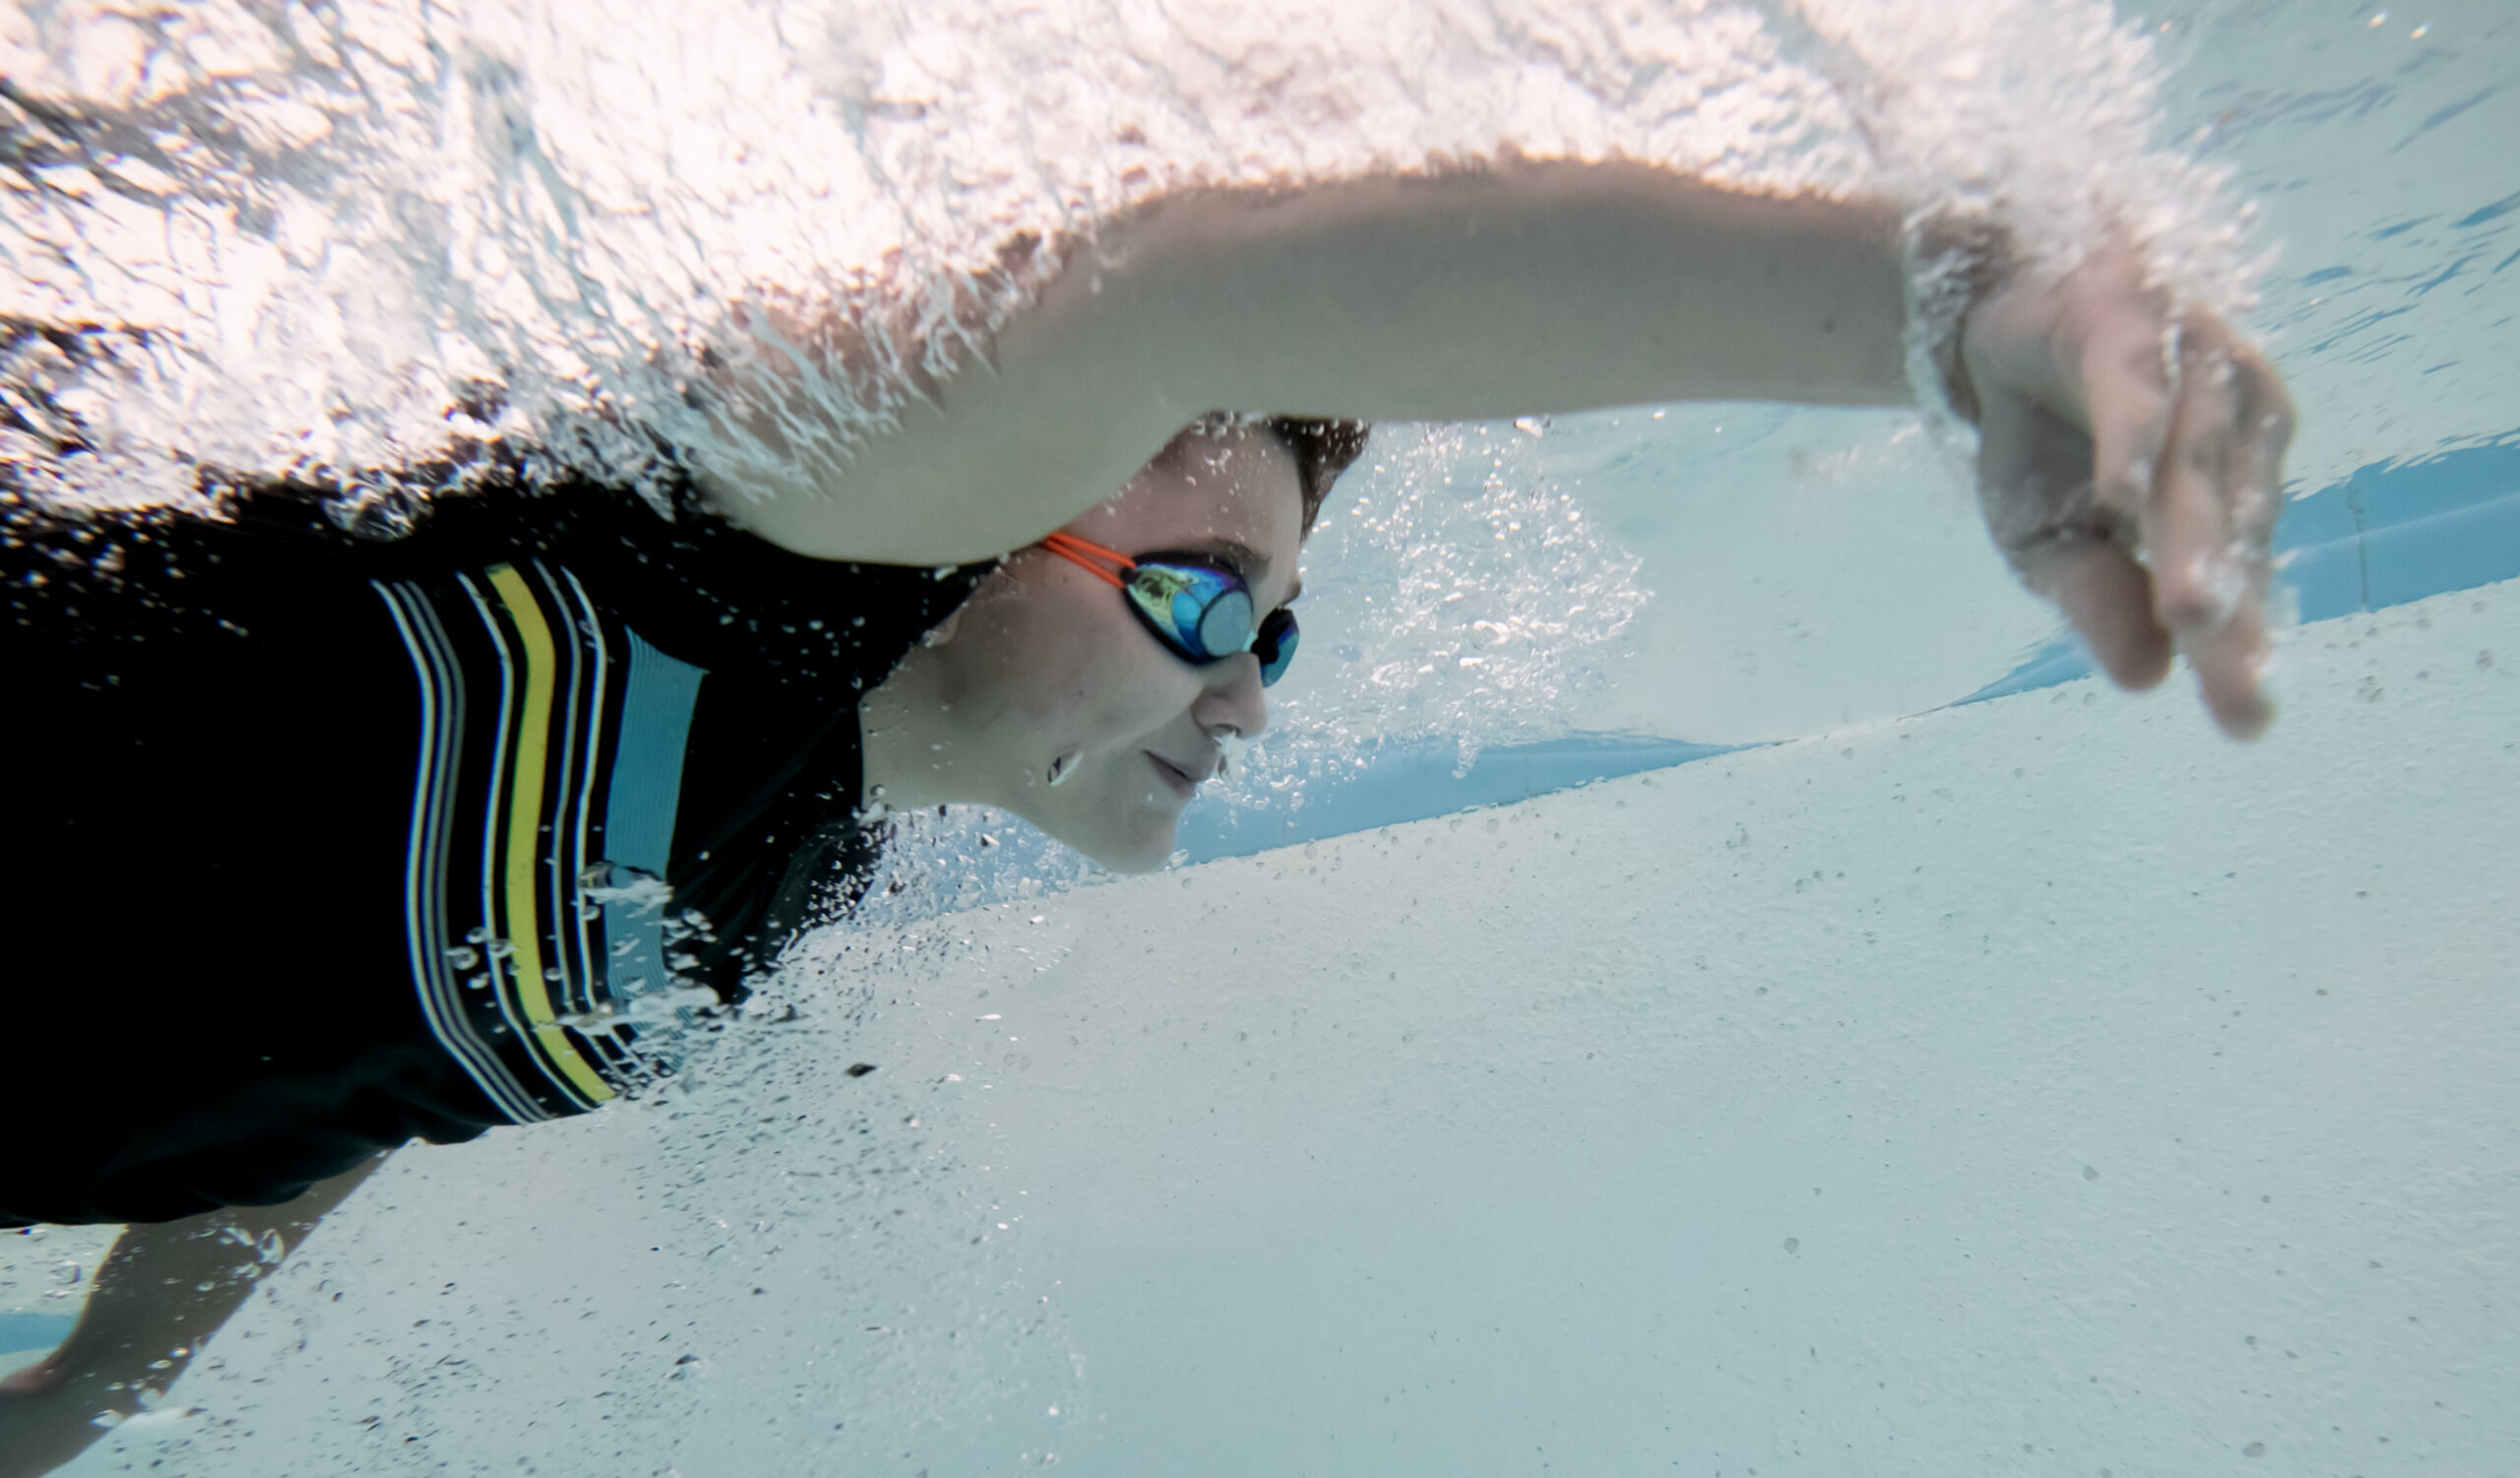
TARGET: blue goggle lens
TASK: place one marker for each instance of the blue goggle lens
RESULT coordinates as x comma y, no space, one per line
1275,646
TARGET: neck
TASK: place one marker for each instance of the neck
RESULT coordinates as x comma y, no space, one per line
906,739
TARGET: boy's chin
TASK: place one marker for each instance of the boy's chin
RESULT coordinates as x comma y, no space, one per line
1128,854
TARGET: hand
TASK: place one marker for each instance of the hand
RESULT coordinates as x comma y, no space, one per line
46,1417
2130,469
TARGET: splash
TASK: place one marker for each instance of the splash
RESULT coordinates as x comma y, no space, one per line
1469,598
322,240
2042,116
327,240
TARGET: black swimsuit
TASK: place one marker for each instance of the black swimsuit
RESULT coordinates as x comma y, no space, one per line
323,844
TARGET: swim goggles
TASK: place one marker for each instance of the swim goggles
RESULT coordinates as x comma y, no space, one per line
1199,609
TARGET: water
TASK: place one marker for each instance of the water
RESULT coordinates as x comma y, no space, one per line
2036,1084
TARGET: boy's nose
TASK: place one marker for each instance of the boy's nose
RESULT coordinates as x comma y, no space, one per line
1234,701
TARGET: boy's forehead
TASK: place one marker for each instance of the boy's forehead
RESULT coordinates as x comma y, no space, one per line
1239,503
1239,485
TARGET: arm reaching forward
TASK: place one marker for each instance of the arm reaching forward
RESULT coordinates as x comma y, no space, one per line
2130,455
162,1290
1519,289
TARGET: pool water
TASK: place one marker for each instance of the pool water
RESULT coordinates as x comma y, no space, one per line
1797,1022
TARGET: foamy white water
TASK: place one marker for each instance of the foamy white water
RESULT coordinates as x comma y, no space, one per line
301,237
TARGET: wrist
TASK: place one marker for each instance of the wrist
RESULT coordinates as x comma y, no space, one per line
65,1377
1953,261
51,1412
29,1382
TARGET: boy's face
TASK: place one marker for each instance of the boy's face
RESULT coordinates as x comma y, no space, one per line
1047,663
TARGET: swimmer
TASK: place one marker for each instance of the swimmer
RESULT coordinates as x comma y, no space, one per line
356,842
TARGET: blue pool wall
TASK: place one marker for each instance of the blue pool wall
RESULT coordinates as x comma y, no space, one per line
2387,534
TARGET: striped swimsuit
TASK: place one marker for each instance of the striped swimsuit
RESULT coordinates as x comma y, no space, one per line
339,843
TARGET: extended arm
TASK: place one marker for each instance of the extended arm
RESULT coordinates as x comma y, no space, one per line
164,1289
1523,288
2130,464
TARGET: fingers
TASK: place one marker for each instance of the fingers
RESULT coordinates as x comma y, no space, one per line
2228,656
2229,664
2107,595
2128,397
2209,523
2033,471
2266,424
2132,474
2186,522
2185,467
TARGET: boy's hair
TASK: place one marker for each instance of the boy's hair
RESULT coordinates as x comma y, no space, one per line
1323,449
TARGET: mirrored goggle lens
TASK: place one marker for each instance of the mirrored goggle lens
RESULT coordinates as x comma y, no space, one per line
1202,613
1224,628
1205,614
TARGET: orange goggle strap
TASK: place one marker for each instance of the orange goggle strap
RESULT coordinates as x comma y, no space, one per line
1091,557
